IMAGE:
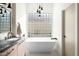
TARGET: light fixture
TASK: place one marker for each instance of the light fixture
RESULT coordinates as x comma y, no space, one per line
9,5
5,11
37,11
0,11
40,8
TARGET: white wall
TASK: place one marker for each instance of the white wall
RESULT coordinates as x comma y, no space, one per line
57,20
32,7
21,16
23,9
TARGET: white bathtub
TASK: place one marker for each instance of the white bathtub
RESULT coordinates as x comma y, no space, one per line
40,44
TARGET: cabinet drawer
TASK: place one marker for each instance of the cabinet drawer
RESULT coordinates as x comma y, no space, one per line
13,51
10,52
21,49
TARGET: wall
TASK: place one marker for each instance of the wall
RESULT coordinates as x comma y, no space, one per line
78,28
57,20
13,17
21,16
32,7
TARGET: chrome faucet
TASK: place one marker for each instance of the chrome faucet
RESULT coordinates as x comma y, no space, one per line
10,35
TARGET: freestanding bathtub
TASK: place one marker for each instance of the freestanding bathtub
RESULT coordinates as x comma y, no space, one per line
40,44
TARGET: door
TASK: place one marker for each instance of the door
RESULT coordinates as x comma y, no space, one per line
69,30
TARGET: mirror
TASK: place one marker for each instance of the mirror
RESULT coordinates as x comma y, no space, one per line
5,20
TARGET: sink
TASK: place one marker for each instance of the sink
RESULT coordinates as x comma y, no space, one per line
5,44
13,39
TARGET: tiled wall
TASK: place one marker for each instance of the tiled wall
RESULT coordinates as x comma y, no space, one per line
40,26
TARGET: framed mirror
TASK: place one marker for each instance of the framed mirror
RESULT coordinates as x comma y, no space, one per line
5,21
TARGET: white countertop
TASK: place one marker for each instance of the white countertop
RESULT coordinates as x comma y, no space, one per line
40,39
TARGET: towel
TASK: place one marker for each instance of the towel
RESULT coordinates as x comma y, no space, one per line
19,29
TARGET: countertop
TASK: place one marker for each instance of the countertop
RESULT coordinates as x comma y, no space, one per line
6,44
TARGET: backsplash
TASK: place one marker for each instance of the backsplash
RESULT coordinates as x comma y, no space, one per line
40,26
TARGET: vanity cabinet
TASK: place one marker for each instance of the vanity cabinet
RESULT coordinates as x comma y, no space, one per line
18,50
21,49
13,51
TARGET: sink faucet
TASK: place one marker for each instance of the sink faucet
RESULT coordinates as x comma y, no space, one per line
10,34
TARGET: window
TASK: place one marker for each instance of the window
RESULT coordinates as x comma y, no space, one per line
39,25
